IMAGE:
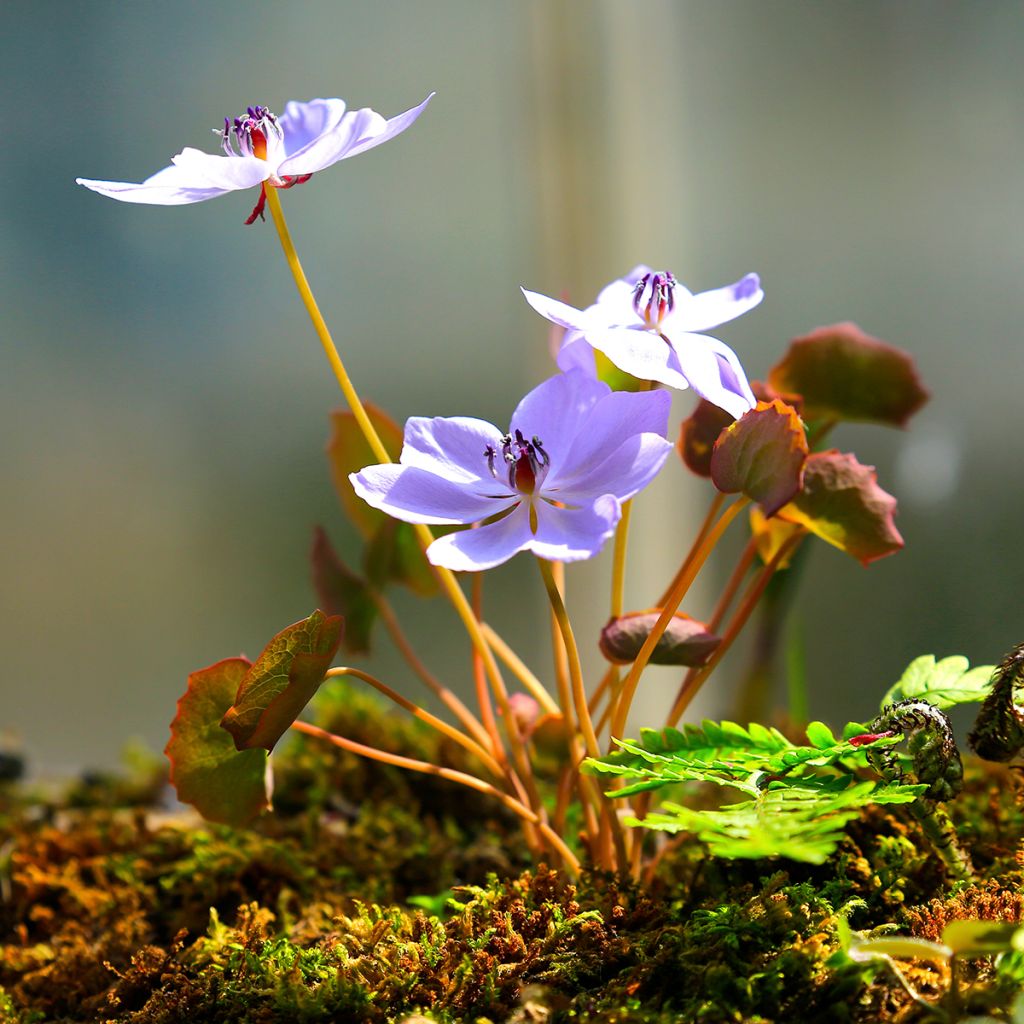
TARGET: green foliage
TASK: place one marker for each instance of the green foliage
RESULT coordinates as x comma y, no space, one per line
282,680
796,806
944,683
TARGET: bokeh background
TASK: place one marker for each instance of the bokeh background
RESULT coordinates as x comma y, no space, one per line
164,402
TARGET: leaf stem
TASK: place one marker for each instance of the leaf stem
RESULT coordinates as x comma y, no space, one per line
518,668
433,721
670,604
572,864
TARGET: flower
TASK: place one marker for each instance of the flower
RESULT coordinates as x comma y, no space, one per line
552,485
645,325
261,148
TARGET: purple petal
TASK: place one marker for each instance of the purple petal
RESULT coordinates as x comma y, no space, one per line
625,470
172,186
557,312
576,353
644,354
710,309
568,535
227,173
302,123
615,292
355,132
554,411
418,496
484,547
453,447
619,449
714,372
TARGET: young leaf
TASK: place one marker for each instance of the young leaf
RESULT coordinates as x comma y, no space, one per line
343,593
801,819
945,683
282,680
224,784
843,373
684,642
762,456
698,434
841,503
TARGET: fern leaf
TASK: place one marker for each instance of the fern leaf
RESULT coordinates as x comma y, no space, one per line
944,683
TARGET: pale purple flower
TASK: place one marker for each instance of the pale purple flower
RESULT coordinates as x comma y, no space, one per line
552,485
647,325
263,149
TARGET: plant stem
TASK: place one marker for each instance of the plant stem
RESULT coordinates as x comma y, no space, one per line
446,578
671,603
516,666
433,721
572,864
619,560
705,526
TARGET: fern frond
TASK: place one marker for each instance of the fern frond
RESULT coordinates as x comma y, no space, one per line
944,683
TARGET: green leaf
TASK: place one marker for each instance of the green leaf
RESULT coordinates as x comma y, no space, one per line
762,456
282,680
684,642
224,784
801,820
343,593
843,373
945,683
393,555
820,735
698,435
983,938
841,503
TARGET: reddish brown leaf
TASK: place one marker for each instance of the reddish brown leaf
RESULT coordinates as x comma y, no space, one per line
343,593
761,455
282,680
222,783
843,373
770,534
684,642
842,503
698,435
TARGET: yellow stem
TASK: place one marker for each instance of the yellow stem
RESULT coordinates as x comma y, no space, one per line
423,533
516,666
424,716
713,511
469,721
619,560
572,865
672,602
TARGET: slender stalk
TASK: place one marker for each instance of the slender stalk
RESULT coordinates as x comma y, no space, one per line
694,679
433,721
619,560
446,578
579,695
466,717
572,864
671,604
560,655
739,573
716,504
516,666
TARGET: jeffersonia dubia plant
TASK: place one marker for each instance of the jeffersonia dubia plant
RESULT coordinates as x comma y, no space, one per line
558,485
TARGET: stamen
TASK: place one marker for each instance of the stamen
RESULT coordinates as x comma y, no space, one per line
660,299
490,453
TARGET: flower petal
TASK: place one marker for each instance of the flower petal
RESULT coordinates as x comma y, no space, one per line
484,547
418,496
710,309
619,449
642,353
453,447
576,353
302,123
568,535
355,132
560,313
173,186
555,410
714,372
227,173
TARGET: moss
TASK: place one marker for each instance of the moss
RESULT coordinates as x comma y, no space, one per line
120,915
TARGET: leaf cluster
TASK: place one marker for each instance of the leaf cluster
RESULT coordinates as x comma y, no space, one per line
798,798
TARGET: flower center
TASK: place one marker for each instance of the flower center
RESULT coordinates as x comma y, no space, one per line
247,135
653,299
526,461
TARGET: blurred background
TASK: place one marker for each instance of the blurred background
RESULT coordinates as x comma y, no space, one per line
164,401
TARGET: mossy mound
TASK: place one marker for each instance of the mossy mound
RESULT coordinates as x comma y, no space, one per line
377,896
